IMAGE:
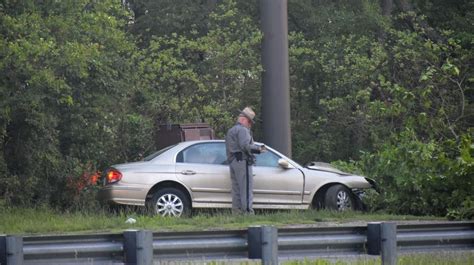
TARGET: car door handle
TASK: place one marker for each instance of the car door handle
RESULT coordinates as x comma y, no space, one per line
188,172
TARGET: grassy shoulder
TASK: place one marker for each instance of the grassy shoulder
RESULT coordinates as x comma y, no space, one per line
430,258
44,220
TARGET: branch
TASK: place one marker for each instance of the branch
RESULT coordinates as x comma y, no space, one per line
450,127
405,6
463,98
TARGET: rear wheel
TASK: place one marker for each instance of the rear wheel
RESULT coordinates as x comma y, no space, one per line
339,198
170,202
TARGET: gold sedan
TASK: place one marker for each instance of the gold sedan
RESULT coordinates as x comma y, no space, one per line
195,174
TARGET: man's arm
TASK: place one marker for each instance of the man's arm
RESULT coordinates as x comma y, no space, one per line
245,142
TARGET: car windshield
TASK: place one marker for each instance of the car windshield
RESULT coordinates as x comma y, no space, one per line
157,153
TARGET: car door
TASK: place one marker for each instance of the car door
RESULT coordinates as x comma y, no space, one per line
203,168
274,185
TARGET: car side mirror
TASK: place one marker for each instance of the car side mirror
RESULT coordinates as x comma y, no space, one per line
283,163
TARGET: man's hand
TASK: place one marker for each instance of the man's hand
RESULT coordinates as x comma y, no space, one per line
263,149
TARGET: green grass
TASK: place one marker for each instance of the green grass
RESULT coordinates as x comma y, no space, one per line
432,258
44,220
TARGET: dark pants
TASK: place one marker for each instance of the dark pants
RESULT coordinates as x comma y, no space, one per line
242,195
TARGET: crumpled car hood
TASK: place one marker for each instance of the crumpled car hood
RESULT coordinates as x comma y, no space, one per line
321,166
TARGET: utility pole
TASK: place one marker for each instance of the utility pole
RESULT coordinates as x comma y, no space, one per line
276,80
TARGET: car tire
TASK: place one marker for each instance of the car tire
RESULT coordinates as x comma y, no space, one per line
170,202
339,198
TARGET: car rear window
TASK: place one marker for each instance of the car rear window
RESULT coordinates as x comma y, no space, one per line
207,153
157,153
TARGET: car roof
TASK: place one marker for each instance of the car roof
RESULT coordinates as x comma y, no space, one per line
204,141
169,156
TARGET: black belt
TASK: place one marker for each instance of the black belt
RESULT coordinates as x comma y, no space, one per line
239,156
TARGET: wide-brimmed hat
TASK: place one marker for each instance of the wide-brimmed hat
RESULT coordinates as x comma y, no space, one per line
248,113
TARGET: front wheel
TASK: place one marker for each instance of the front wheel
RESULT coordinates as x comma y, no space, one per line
170,202
339,198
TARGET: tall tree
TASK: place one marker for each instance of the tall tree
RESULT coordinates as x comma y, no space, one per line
163,18
208,77
65,75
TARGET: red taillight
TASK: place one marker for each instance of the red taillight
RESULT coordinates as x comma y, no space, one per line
94,178
113,176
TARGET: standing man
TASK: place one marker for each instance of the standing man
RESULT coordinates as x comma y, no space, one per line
240,150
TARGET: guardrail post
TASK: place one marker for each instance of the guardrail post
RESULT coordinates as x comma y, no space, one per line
382,240
138,247
3,249
388,240
373,238
263,244
11,250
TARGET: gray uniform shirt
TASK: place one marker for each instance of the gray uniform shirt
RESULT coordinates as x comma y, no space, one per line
239,139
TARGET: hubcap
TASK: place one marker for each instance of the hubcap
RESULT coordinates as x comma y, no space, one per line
169,205
343,201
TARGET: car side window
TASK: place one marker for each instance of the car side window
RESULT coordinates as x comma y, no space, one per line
267,159
206,153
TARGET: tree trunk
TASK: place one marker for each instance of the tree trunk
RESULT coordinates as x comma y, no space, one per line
387,8
406,6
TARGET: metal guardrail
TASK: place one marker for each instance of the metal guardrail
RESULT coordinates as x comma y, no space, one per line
443,236
97,249
129,247
322,241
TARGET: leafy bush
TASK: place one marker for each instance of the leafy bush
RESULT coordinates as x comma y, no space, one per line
422,178
465,211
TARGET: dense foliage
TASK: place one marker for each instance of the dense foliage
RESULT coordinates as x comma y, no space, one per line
386,86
